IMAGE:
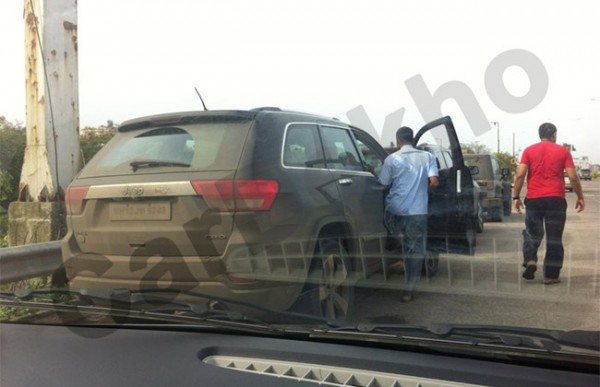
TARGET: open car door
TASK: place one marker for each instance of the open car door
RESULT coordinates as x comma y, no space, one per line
452,225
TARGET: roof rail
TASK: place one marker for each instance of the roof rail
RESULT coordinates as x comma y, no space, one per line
266,108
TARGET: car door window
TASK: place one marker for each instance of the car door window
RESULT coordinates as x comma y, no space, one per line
340,150
495,166
441,163
448,159
369,156
372,153
302,147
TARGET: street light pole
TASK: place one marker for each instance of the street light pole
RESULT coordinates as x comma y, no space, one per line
513,144
497,134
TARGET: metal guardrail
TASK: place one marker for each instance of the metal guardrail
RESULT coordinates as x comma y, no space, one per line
29,261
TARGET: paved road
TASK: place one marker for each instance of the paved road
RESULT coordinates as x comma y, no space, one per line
488,289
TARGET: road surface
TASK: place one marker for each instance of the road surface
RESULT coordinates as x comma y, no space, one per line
488,288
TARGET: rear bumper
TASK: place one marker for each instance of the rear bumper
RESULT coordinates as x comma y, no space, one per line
274,281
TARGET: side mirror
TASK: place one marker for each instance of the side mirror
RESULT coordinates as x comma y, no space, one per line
505,172
474,170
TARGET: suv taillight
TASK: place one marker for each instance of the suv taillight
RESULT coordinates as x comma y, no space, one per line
74,197
237,195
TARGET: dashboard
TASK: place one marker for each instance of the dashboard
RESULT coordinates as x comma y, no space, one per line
46,355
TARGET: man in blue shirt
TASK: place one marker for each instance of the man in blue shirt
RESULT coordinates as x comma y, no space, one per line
410,174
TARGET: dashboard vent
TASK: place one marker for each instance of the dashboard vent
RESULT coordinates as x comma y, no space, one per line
324,375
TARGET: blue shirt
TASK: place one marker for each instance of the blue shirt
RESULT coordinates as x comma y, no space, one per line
407,172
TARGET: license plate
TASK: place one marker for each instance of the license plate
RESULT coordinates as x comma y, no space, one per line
140,211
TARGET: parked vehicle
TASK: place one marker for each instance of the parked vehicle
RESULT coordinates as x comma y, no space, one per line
568,185
467,200
585,174
490,177
211,201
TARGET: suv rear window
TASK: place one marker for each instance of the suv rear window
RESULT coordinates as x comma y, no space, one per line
204,146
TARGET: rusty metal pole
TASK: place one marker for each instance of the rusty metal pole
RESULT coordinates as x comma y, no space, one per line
52,156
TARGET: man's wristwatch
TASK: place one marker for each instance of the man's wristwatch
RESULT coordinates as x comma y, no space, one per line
516,198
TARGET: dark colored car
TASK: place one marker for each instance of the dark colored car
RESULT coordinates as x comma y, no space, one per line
255,206
468,198
455,205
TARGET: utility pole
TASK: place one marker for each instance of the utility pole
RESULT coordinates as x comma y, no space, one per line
513,153
52,156
497,124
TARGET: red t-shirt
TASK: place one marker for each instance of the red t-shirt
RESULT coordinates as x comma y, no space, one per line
546,162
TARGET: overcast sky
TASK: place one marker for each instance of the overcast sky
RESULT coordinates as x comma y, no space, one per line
328,57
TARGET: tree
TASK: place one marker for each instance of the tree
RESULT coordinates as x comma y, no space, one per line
12,151
13,140
506,161
92,140
475,148
570,147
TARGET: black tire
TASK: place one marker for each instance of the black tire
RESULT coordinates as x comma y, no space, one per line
330,293
480,220
496,214
470,237
506,198
431,263
507,207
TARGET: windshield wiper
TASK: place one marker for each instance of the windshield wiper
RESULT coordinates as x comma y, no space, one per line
157,305
480,335
135,165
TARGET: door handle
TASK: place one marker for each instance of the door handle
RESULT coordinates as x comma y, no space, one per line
345,181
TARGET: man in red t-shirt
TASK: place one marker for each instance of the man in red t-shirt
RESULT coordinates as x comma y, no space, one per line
544,164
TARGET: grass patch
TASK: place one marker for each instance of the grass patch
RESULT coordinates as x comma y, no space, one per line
12,313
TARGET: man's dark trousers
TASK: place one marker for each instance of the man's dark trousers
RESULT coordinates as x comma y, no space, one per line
549,213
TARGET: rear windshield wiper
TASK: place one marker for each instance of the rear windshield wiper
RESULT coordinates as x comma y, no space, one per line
135,165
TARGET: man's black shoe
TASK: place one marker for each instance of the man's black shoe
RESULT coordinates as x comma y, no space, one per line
529,272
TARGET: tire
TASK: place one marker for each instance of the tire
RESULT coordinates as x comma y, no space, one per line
496,214
507,207
330,293
431,263
506,198
480,220
470,238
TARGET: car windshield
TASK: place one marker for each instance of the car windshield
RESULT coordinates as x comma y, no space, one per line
394,174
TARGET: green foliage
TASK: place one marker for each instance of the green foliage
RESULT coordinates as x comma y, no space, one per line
3,230
12,151
506,162
10,313
6,187
505,159
92,140
475,148
13,140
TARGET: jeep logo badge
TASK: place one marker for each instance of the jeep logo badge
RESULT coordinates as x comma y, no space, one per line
133,191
